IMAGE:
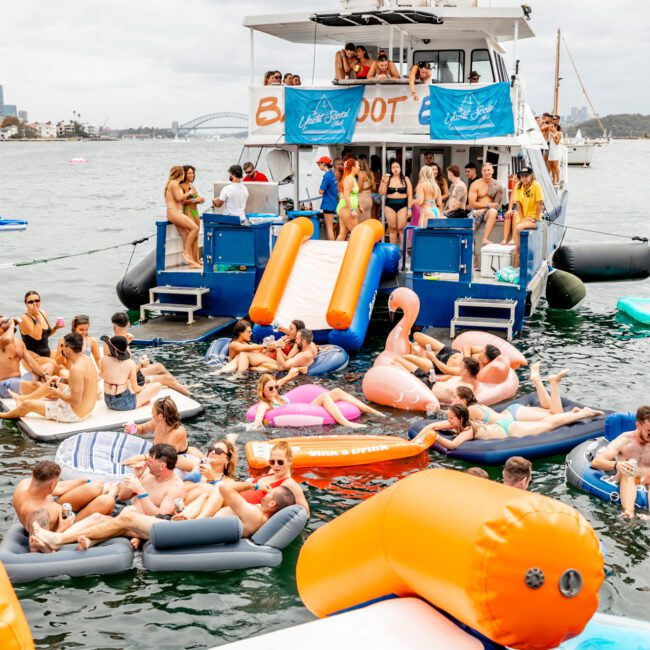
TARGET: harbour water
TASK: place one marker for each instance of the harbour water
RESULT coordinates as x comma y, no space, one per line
115,198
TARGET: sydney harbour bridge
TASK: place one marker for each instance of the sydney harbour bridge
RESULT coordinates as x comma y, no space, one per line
214,124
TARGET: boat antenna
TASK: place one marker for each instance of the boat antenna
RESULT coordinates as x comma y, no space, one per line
584,90
556,95
313,60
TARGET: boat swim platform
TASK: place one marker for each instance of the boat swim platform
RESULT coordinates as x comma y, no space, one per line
173,329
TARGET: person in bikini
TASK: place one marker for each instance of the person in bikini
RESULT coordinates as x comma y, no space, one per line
617,456
71,403
427,196
190,204
40,498
244,355
188,229
35,330
302,354
399,197
121,389
153,489
12,353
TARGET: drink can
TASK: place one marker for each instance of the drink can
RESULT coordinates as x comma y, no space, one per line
432,376
179,504
67,510
60,321
634,462
131,427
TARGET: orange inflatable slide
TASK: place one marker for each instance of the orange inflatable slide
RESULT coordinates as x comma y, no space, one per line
521,569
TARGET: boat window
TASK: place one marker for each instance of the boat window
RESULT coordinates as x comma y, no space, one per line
503,71
481,63
447,66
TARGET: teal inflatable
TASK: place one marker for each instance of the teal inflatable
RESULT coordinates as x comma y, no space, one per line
636,307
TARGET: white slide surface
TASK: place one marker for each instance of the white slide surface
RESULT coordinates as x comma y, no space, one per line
309,290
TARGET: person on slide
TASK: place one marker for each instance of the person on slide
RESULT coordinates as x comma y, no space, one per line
244,355
549,404
464,428
167,429
270,398
188,229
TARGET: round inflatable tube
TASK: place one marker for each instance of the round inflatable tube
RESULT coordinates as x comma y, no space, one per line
497,452
343,303
99,455
300,412
133,288
605,631
492,393
500,553
398,388
112,556
564,290
477,338
276,274
217,353
14,630
263,549
195,532
635,307
605,262
583,476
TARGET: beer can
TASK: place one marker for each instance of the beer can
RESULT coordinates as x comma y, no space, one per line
634,462
179,504
67,510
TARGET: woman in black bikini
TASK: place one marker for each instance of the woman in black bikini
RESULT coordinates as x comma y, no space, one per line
35,328
399,198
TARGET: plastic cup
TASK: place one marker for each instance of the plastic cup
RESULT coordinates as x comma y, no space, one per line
131,427
60,321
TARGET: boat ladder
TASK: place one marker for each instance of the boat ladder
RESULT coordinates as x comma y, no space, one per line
473,319
156,305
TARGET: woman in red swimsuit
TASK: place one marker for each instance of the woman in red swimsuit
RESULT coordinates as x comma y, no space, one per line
362,67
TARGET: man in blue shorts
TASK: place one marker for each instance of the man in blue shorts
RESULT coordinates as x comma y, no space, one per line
12,352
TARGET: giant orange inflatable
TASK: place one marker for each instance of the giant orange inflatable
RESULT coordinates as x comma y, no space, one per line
14,631
520,568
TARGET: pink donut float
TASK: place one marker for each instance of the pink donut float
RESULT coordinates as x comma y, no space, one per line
300,412
473,337
394,386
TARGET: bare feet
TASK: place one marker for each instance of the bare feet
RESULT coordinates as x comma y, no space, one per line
83,543
135,543
512,242
46,538
356,425
37,545
557,378
16,397
534,372
591,413
485,242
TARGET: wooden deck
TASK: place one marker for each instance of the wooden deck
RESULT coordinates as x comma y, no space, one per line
175,330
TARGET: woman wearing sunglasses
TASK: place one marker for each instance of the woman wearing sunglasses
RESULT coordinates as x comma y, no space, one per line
35,327
270,398
166,427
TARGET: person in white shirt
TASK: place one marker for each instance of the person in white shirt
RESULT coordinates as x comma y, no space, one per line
233,197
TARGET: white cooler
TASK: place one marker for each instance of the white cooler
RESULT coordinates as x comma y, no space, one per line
495,257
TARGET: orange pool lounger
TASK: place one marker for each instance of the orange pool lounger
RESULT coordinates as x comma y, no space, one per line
341,451
522,569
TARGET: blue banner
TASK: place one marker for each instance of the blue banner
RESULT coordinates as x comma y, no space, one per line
470,114
321,116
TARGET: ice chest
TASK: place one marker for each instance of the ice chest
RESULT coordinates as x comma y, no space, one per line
495,257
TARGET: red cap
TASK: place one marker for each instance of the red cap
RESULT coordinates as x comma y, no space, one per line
325,160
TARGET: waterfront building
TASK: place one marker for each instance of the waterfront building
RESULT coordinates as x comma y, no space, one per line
22,116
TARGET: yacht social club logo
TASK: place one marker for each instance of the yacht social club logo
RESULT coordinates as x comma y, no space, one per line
470,114
321,116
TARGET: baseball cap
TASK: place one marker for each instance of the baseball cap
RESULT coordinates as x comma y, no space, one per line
525,171
324,160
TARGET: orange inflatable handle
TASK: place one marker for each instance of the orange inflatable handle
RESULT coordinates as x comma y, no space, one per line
352,274
269,292
520,568
14,631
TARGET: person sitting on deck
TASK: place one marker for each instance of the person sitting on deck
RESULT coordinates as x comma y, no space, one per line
383,69
188,229
344,62
40,498
485,200
529,199
73,402
81,325
629,456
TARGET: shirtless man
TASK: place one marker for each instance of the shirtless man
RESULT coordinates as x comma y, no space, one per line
12,352
253,516
485,200
445,386
153,487
188,228
344,62
302,355
631,445
34,500
457,201
73,403
147,372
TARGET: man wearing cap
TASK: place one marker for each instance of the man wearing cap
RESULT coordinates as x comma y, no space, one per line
474,77
252,175
529,202
329,190
71,403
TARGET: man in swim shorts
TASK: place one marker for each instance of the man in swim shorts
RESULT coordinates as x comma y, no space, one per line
302,355
629,446
12,352
517,472
35,499
71,403
153,488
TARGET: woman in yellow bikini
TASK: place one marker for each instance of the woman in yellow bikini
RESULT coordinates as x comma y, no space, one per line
189,204
348,209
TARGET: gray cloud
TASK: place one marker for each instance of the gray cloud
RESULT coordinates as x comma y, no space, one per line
148,62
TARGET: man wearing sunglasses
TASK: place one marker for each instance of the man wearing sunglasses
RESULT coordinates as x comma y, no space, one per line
12,352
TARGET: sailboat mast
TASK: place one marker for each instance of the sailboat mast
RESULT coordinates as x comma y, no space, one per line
556,96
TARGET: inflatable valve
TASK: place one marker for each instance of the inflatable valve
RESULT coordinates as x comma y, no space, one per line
485,553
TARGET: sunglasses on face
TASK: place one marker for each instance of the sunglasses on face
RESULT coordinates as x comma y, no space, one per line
272,388
218,451
33,302
273,461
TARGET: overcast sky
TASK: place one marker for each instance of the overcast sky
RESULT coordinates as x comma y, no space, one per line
153,61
